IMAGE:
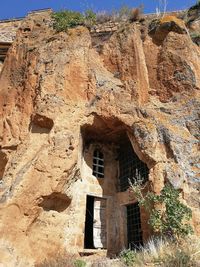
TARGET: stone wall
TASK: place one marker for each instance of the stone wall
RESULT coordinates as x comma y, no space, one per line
106,27
8,29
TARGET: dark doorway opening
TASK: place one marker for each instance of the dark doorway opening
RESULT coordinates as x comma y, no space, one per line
134,229
88,240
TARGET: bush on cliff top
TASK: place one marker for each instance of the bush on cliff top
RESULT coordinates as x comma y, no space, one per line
65,19
90,18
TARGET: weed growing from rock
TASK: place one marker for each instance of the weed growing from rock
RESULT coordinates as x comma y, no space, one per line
168,215
128,257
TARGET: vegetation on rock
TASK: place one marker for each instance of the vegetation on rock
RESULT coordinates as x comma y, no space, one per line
128,256
79,263
196,6
106,85
66,19
168,216
165,253
90,17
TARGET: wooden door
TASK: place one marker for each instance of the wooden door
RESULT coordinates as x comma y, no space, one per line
99,226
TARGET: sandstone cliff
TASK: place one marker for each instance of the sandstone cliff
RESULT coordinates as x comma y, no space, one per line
54,85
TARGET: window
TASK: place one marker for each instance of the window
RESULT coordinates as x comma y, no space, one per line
130,166
98,164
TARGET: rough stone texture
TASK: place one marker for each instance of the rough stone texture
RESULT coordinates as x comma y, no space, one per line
8,30
193,23
56,91
168,24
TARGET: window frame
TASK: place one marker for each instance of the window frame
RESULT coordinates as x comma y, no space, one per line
98,163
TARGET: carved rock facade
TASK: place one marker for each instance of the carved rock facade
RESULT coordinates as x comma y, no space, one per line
60,99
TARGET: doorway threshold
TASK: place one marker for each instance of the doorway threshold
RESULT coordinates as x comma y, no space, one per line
89,252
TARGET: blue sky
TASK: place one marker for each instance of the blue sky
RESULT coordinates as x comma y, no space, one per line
19,8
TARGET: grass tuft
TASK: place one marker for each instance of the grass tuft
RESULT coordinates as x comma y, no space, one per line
167,253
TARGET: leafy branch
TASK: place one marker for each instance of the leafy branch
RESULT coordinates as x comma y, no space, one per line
168,216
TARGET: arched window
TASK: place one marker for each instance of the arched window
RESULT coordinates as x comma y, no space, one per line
98,164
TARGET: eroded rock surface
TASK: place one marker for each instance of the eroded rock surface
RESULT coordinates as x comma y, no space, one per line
53,85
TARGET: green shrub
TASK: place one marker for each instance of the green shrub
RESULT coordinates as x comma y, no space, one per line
90,17
79,263
65,19
172,218
127,256
194,35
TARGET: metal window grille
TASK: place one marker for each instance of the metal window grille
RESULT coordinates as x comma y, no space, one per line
131,168
98,164
134,230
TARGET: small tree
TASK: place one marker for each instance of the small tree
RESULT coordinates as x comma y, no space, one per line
65,19
168,216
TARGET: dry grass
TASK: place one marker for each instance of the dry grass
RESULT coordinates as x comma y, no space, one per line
103,16
157,252
62,260
166,253
123,14
56,262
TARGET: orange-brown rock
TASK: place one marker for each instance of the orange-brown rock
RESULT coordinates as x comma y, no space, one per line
165,25
54,85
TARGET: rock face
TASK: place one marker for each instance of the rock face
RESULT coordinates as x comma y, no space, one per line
194,23
8,30
60,98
